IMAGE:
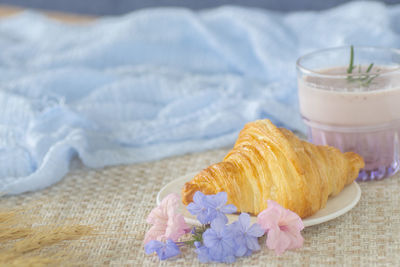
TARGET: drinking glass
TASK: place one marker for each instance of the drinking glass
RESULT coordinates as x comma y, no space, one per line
350,98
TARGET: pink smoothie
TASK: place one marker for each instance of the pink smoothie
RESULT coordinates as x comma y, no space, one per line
354,117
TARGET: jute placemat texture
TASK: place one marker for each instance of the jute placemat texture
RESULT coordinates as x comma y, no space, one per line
117,200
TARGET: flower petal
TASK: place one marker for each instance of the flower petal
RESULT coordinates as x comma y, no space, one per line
219,216
228,236
221,197
170,203
210,238
229,258
244,221
198,198
228,244
156,215
203,254
228,209
156,232
255,230
252,243
240,250
292,219
277,240
170,250
171,200
176,227
296,240
167,222
269,218
248,253
218,224
204,217
216,252
273,205
194,208
216,201
153,246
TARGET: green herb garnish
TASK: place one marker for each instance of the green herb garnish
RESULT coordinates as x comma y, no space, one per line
351,64
364,79
370,67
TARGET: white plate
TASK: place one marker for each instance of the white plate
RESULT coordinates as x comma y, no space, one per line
335,207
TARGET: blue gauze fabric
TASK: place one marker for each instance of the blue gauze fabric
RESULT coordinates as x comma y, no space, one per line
157,82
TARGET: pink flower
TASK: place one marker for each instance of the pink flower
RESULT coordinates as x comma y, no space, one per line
167,222
283,227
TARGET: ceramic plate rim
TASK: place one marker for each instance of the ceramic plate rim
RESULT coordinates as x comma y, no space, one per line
312,220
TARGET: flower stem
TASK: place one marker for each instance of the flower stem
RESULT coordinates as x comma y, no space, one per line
197,236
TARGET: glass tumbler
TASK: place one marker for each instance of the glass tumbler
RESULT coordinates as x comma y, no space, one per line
350,98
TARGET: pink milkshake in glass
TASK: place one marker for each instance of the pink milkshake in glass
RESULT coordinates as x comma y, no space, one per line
350,98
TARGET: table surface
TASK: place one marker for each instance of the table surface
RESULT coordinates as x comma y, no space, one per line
116,201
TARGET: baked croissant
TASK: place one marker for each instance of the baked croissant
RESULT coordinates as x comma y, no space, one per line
271,163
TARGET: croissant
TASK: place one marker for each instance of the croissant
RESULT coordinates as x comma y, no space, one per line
272,163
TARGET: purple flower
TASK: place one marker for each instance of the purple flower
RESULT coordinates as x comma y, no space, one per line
163,250
246,236
219,240
209,207
202,252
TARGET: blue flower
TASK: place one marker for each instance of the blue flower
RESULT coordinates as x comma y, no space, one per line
163,250
209,207
246,236
202,252
219,240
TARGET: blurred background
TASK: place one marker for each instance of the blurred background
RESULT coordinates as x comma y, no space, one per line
159,82
117,7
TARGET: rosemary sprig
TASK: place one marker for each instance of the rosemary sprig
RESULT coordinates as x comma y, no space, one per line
364,79
370,67
351,64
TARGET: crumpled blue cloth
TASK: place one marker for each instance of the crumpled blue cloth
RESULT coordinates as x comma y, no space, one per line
157,82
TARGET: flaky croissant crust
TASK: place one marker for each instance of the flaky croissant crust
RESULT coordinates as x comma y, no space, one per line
271,163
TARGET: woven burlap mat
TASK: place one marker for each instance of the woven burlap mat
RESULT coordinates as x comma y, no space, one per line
116,200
